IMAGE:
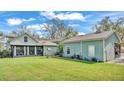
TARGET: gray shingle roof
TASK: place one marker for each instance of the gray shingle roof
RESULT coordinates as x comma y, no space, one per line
47,43
90,37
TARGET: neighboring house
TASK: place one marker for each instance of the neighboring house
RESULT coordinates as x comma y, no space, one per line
3,42
103,46
26,45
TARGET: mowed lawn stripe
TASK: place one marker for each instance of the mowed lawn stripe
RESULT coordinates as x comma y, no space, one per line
42,68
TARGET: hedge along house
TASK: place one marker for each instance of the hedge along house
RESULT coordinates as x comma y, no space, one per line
26,45
103,46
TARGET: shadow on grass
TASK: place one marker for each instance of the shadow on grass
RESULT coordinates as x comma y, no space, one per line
76,60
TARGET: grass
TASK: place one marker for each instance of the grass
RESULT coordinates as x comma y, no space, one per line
42,68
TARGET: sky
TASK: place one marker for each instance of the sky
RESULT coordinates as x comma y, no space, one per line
81,21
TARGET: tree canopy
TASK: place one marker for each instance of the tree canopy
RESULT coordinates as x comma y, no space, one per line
106,24
57,29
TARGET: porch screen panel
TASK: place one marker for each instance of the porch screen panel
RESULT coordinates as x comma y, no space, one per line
31,50
40,50
19,50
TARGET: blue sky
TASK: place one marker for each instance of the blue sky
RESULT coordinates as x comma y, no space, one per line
82,21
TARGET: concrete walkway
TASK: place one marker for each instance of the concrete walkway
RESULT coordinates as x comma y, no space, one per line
119,60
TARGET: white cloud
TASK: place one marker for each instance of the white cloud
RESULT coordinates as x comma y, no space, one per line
39,33
14,21
30,19
65,16
113,14
73,25
81,33
36,27
18,21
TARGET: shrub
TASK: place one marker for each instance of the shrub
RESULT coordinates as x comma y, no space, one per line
59,54
94,59
5,53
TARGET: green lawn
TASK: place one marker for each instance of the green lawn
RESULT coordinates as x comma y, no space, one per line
42,68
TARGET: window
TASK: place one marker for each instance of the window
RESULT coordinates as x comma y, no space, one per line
68,50
25,39
31,50
19,50
91,51
40,50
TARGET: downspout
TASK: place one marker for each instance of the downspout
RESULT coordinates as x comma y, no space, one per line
104,51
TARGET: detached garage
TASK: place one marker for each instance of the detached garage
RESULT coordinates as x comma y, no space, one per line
102,46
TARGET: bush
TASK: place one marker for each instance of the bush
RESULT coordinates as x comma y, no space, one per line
94,59
5,53
59,54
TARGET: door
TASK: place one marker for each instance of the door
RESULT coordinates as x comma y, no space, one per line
117,48
91,51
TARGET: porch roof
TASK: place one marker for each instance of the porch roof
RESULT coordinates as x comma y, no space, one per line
40,43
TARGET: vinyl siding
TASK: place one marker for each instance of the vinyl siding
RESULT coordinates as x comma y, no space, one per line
98,49
20,41
109,47
52,50
75,48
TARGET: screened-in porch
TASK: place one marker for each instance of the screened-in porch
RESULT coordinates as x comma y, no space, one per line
26,50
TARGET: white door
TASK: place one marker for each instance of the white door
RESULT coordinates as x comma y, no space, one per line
91,51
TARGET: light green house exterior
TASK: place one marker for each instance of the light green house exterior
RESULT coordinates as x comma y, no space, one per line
103,45
30,47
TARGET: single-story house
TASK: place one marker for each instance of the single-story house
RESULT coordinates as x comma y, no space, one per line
3,42
103,46
26,45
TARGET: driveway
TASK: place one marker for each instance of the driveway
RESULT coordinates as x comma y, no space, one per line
119,60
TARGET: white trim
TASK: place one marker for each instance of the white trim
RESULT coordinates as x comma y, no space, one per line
104,51
35,50
81,49
14,50
27,50
24,50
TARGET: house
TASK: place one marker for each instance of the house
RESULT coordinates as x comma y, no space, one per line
26,45
103,46
3,42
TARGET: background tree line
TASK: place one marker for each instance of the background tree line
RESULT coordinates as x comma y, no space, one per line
57,29
106,24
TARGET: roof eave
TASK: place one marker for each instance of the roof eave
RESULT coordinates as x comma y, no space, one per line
85,40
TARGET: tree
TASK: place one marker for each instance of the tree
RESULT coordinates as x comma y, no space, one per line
104,25
23,29
107,25
119,27
57,29
1,33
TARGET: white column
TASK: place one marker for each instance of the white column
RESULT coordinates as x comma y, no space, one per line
24,51
14,50
35,50
27,50
104,52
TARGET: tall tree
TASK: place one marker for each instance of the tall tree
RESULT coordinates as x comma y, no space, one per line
1,33
106,24
22,29
57,29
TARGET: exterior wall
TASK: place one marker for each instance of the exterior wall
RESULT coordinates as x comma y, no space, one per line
109,47
3,43
75,48
98,49
50,50
20,41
